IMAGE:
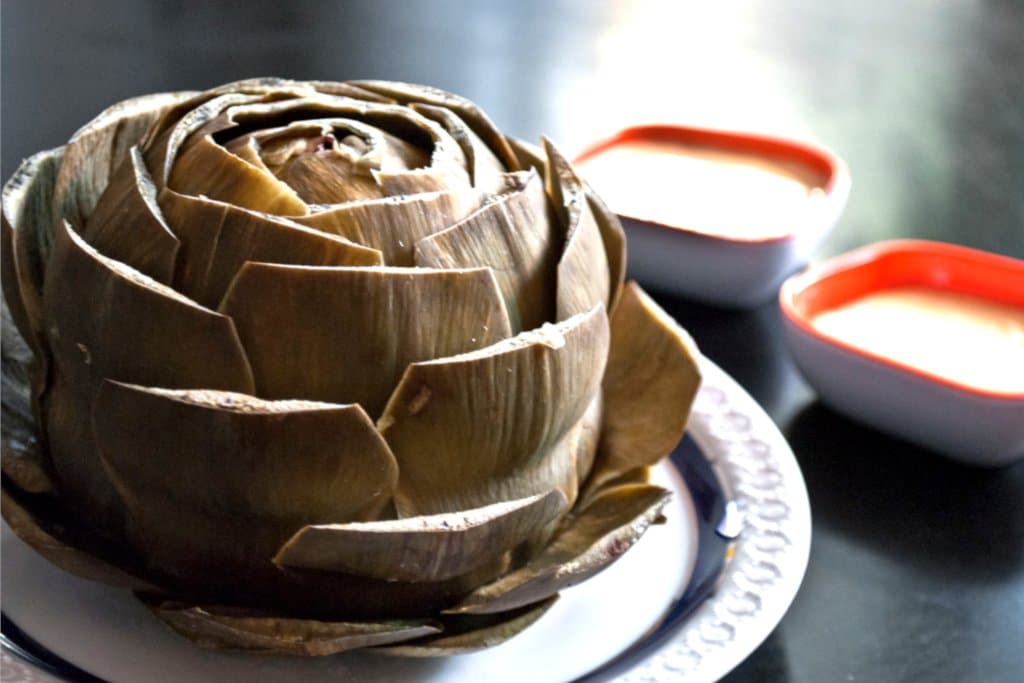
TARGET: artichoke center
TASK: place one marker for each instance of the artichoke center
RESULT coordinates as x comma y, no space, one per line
330,162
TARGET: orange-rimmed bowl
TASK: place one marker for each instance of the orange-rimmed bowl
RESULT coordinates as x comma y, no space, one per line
946,411
722,267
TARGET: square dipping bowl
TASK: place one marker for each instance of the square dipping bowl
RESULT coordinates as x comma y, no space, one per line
721,217
922,340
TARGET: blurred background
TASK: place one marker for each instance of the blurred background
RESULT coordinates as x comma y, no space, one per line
923,98
917,567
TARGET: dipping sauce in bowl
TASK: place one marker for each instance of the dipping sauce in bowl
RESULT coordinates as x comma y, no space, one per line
705,189
965,338
719,216
923,340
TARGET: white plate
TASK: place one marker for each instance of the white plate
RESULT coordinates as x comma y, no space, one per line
622,614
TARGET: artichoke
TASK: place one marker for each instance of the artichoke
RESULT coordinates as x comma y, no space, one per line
316,366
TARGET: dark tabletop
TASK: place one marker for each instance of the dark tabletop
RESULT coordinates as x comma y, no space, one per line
917,564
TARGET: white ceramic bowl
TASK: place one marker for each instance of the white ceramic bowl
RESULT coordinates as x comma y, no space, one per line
973,425
710,265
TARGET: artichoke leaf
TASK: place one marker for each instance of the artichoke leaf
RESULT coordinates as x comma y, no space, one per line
566,465
20,462
128,226
247,90
21,458
469,633
475,118
376,320
614,238
428,548
529,155
98,149
218,238
21,455
304,463
480,427
206,168
411,153
342,89
513,236
28,224
584,278
330,160
395,224
105,319
162,145
485,169
589,542
446,169
595,486
589,437
248,150
208,628
649,386
71,559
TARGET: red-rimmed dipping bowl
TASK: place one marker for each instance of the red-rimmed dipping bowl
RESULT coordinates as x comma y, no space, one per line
923,340
721,217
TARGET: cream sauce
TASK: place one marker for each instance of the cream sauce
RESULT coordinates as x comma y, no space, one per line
704,189
966,339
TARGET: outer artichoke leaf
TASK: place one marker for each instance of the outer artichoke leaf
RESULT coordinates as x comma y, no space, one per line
566,464
649,386
29,529
22,465
394,225
270,634
589,437
480,427
22,459
465,634
485,169
206,168
353,331
105,319
513,236
217,239
584,279
595,486
28,223
614,238
428,548
475,118
232,466
128,226
590,541
99,148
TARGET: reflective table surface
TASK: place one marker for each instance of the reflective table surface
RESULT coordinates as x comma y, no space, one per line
917,564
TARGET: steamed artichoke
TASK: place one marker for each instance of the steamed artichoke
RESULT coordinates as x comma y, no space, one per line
319,366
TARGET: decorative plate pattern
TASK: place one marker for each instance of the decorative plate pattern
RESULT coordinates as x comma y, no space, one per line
770,556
